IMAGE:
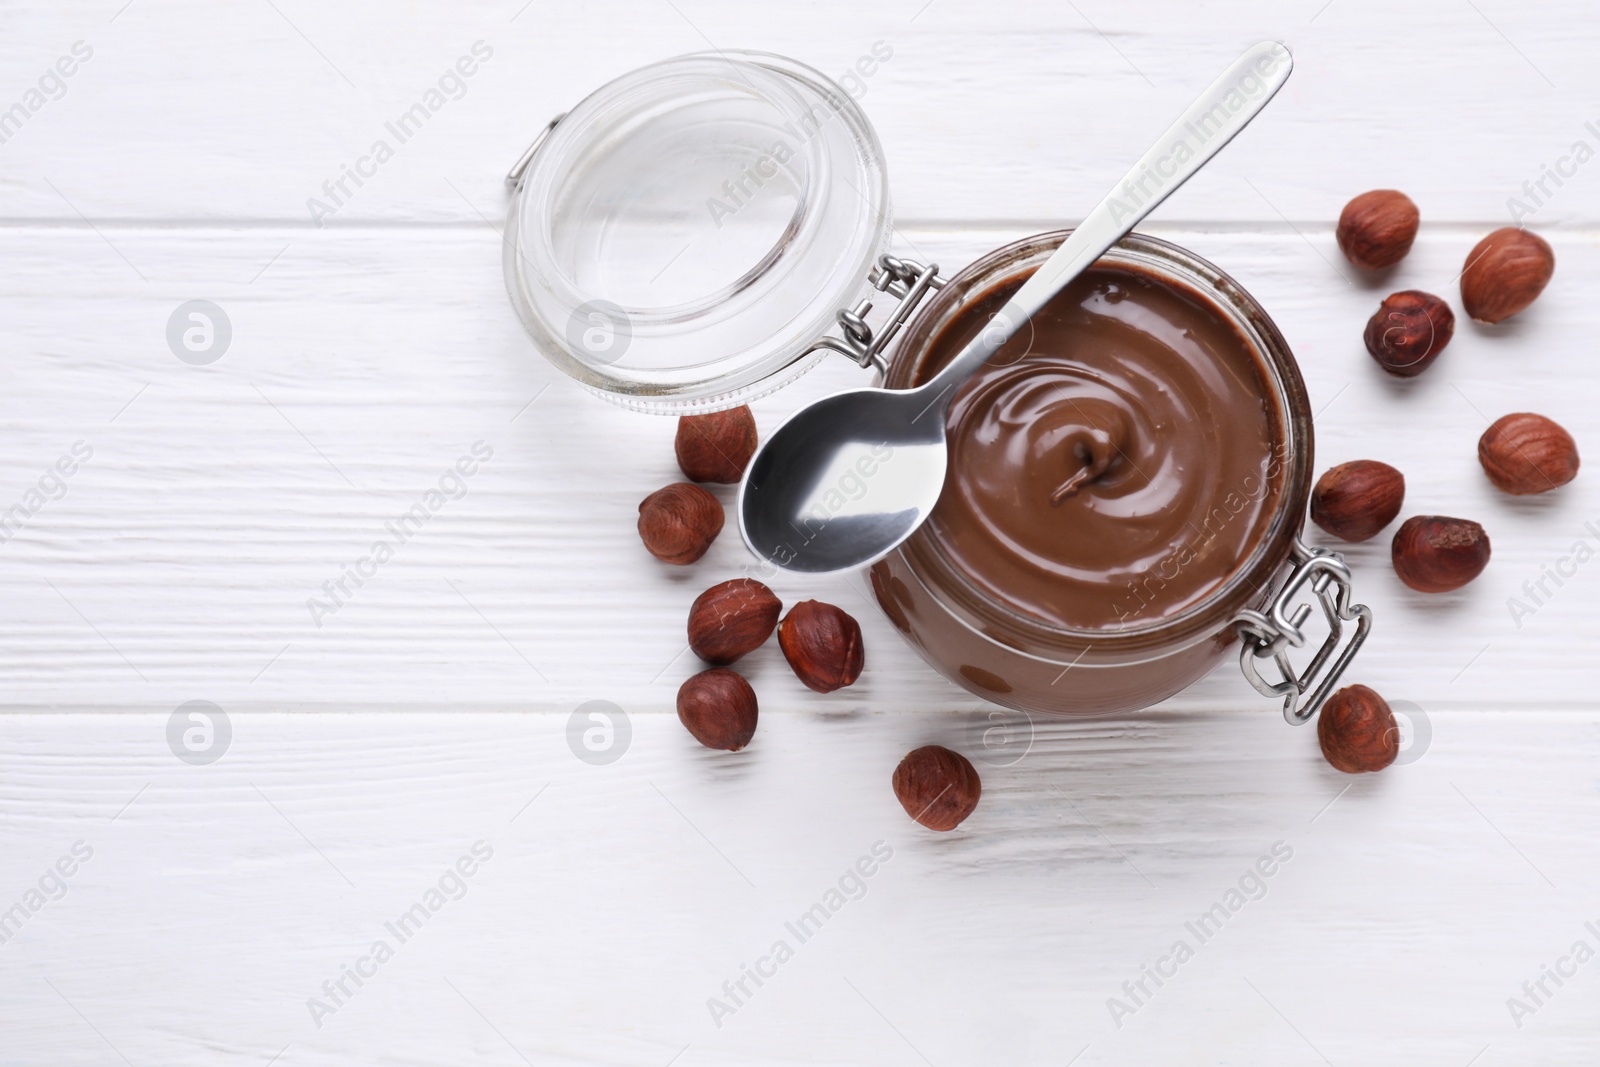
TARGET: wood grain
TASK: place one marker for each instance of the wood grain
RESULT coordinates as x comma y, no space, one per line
189,111
220,499
370,354
619,900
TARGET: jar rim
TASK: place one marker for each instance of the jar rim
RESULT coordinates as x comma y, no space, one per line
1249,580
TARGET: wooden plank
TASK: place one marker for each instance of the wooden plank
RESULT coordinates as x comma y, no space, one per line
365,363
218,899
190,111
369,356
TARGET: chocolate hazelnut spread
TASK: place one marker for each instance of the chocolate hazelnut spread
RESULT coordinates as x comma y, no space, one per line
1115,463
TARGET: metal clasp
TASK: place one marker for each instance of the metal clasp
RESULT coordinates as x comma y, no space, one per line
904,279
514,178
1273,633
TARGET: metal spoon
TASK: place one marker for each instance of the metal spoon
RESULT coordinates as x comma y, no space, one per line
848,478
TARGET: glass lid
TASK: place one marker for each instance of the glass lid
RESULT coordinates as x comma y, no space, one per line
683,235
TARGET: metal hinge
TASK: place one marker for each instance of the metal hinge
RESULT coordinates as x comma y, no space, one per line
904,279
1270,635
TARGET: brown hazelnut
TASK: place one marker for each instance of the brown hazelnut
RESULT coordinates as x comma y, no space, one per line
1525,453
822,644
731,619
1435,554
1357,731
937,787
678,523
1376,229
1408,331
1355,500
716,447
719,708
1505,273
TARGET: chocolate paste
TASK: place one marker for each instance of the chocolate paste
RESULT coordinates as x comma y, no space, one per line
1116,461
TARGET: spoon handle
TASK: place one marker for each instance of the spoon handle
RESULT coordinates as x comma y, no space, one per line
1225,108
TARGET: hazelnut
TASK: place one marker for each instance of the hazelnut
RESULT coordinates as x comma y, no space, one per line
1505,273
1525,453
678,523
1435,554
716,447
731,619
822,644
719,708
1408,331
937,787
1376,229
1357,731
1355,500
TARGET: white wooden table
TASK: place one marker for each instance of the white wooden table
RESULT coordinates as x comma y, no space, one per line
208,904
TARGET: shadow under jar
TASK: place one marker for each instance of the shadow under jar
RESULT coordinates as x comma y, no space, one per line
1127,476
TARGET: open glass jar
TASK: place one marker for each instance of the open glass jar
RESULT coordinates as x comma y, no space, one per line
686,238
997,645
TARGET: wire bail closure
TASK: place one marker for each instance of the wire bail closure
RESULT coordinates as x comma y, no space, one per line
1271,634
905,280
518,169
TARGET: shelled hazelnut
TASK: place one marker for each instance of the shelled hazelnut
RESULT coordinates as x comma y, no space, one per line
678,523
1355,500
1357,731
937,787
1525,453
719,708
731,619
1435,554
716,447
823,645
1408,331
1506,272
1376,229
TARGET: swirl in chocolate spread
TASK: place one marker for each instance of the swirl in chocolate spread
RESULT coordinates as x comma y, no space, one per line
1113,464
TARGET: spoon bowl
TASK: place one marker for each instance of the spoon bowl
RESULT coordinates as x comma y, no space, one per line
845,480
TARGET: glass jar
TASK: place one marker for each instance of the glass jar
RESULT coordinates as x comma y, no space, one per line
996,650
689,237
